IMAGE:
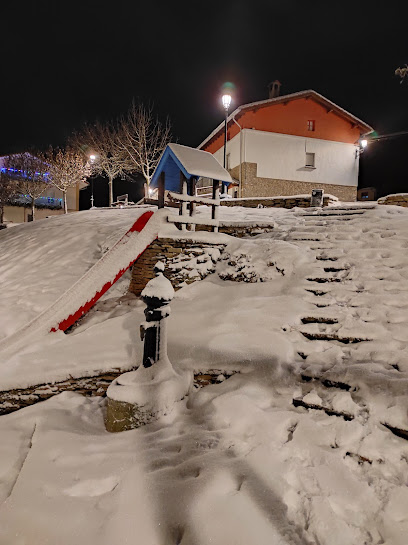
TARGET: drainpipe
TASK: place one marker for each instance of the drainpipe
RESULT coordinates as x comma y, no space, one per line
240,156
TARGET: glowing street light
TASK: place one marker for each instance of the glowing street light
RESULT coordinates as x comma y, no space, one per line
361,146
226,102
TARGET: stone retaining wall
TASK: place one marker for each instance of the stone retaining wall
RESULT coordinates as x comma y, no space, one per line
255,186
12,400
301,201
398,199
240,230
186,261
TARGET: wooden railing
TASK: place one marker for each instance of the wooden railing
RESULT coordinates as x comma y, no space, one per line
187,208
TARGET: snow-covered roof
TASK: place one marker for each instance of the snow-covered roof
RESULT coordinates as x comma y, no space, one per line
192,162
293,96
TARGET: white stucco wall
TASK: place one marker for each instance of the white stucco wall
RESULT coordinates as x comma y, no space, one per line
282,157
232,150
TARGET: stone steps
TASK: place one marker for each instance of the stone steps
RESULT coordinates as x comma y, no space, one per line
323,280
332,337
327,383
330,412
335,269
318,320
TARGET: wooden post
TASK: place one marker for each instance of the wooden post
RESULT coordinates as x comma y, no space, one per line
183,205
161,190
214,207
193,182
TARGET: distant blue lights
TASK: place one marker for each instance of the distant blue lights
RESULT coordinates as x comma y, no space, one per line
48,200
4,169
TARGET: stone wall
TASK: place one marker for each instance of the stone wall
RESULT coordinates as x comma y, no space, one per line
398,199
253,186
186,261
239,230
12,400
302,201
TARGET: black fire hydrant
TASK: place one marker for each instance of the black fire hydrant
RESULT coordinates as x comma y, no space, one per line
156,295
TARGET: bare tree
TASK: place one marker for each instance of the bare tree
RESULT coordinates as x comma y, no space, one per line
8,188
402,72
143,138
30,174
101,141
67,168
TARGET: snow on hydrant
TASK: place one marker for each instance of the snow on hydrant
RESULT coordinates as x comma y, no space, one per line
139,397
157,295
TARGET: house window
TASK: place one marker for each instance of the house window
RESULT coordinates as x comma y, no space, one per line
310,160
311,125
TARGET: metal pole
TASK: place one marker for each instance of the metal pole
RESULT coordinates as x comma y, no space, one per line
225,145
92,197
225,138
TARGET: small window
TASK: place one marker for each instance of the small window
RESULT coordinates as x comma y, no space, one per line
311,125
310,160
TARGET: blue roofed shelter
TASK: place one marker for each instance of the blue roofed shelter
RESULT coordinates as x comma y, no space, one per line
177,173
180,163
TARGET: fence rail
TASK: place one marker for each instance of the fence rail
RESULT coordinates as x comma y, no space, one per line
187,205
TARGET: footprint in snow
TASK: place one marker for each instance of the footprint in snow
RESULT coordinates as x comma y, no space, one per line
190,472
162,463
92,487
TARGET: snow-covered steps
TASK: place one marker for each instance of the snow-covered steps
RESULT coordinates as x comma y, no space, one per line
322,280
330,412
326,336
318,396
328,383
319,320
326,258
397,431
335,269
317,292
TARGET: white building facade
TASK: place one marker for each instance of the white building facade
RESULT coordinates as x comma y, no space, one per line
294,144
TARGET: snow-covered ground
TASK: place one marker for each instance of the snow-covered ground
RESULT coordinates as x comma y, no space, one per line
319,316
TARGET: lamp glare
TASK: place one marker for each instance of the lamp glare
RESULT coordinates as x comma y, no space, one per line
226,101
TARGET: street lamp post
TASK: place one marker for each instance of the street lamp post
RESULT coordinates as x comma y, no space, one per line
92,160
226,102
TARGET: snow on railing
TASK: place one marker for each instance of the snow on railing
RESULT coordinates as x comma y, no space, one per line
187,208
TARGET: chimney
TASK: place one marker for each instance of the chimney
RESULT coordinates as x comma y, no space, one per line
274,89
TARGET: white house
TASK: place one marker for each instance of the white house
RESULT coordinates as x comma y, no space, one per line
289,145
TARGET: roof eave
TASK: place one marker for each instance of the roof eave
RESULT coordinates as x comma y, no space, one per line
293,96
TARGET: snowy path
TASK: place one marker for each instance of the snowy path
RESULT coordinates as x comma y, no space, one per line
291,451
238,464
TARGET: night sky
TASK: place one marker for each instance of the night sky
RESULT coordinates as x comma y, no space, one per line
67,63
